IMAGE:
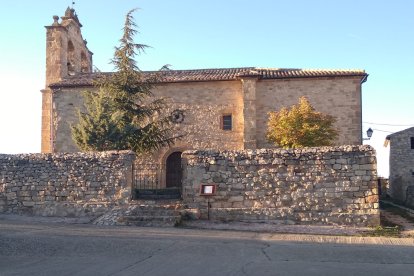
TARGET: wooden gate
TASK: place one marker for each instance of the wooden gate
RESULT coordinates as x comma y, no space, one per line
174,173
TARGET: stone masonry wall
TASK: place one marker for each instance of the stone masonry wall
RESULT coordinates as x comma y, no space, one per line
402,167
338,97
65,184
332,185
203,104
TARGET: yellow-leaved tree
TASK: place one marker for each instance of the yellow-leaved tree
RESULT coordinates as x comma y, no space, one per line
301,125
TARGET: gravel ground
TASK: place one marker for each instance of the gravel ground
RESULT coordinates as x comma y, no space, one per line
277,228
213,225
406,224
40,220
335,230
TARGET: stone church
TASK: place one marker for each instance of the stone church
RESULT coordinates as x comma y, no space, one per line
223,108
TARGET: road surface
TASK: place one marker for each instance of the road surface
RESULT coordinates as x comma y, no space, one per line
28,248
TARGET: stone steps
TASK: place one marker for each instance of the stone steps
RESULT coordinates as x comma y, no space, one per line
151,220
167,193
144,213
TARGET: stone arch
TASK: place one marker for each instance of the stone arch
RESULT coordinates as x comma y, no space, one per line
71,58
164,164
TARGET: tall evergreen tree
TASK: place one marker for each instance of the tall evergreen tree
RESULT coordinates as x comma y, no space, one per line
123,113
97,128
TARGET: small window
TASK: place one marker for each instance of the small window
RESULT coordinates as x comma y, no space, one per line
412,142
226,122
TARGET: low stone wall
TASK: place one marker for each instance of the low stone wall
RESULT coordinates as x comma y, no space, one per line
65,184
330,185
333,185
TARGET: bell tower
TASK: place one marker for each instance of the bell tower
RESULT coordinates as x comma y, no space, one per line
66,55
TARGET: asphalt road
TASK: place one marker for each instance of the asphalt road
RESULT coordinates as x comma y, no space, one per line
74,249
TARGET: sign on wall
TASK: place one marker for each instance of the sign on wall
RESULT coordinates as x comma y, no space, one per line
208,189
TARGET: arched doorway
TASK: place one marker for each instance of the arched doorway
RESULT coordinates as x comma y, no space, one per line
174,172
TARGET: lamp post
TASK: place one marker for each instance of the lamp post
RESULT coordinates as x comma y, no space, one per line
369,134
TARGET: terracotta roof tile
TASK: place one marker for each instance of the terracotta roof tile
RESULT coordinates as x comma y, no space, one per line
221,74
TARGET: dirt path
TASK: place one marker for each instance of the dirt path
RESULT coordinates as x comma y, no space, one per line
395,217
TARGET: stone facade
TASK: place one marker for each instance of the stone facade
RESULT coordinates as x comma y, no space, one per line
312,185
65,184
401,187
203,104
339,97
204,96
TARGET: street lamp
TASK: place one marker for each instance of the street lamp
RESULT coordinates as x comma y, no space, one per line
369,134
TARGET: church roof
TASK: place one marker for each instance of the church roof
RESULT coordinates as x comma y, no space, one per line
220,74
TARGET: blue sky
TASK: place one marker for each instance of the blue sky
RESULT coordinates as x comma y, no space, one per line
375,35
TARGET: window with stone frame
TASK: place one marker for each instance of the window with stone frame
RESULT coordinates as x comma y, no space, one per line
412,142
226,122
